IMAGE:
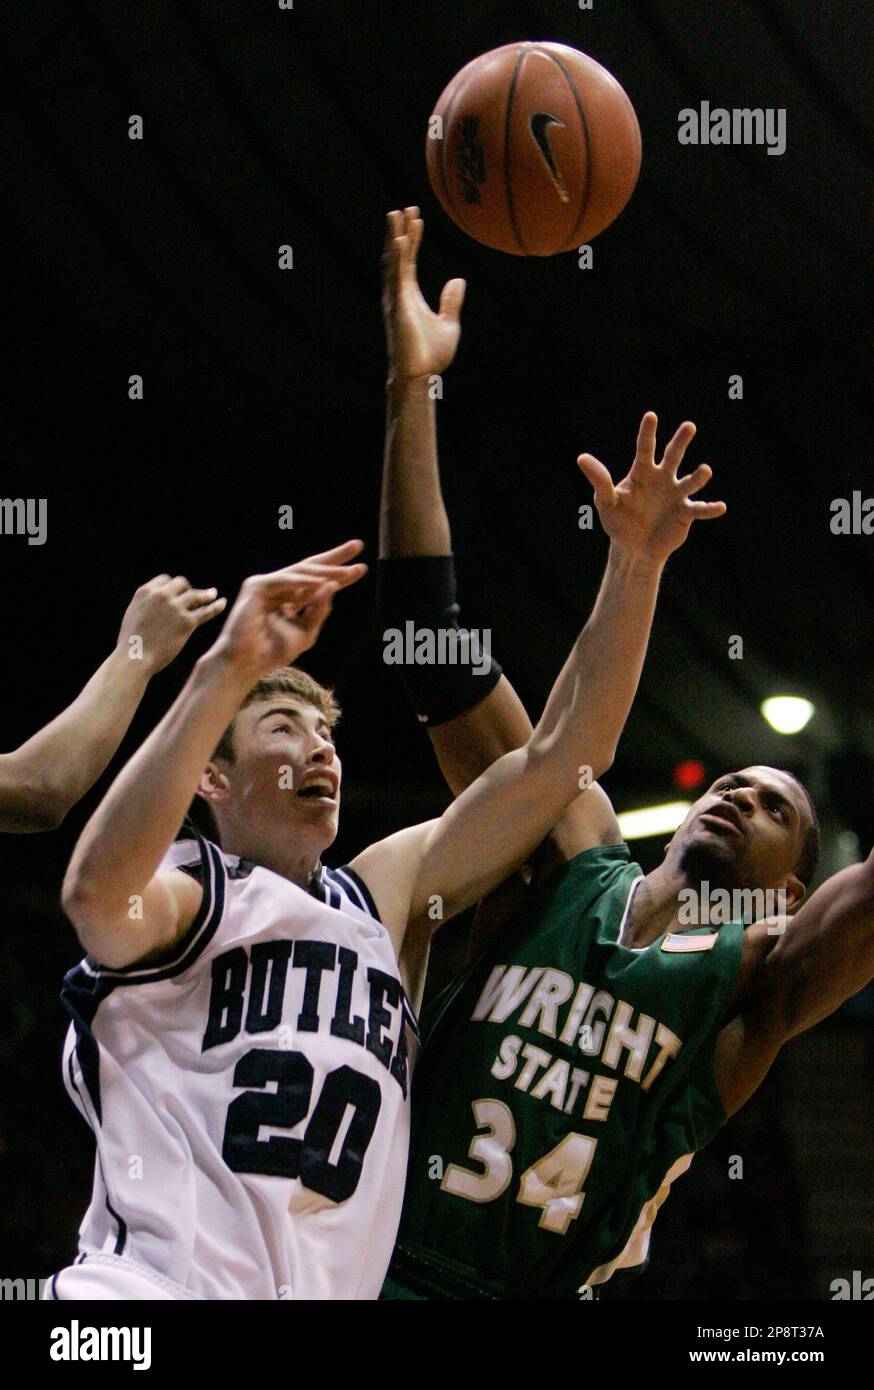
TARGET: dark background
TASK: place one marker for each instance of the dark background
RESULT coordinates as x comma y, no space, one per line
265,387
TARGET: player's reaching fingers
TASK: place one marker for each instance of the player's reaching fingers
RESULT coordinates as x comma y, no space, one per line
415,228
695,480
285,587
452,299
402,246
321,601
312,617
337,556
196,598
349,574
207,611
706,511
646,440
338,573
177,586
391,255
397,268
415,234
293,586
598,476
340,555
312,567
394,227
677,447
390,234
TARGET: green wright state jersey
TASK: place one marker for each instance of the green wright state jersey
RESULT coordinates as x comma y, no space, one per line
564,1082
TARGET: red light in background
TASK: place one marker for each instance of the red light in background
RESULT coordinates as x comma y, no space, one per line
689,775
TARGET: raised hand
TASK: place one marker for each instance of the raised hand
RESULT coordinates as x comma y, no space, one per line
650,511
278,616
420,342
163,613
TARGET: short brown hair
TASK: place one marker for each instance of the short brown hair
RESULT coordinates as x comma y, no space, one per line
287,680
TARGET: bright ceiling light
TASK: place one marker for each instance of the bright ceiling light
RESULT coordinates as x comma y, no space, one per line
653,820
788,714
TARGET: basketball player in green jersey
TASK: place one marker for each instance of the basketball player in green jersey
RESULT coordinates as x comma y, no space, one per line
596,1039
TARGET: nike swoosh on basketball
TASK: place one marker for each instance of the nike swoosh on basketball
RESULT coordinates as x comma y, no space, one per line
539,124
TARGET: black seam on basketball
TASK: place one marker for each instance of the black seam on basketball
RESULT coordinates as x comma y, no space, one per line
587,183
443,143
507,181
456,212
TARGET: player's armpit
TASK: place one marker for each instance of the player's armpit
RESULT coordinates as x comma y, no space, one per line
467,745
155,920
390,869
795,973
413,960
824,955
588,822
745,1050
753,1034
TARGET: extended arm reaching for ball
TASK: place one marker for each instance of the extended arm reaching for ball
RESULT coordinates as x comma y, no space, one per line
488,719
43,779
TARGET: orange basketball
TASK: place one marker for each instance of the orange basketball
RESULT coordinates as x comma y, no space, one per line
536,151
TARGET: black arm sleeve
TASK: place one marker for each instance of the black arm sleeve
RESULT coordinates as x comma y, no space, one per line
444,669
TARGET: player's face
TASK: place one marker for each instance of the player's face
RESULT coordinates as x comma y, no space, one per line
746,831
286,767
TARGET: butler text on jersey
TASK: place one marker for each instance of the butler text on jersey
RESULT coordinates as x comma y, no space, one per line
309,986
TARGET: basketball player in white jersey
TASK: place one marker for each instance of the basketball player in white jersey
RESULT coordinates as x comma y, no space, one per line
41,781
241,1050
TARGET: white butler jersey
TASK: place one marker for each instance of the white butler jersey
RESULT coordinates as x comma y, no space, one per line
248,1096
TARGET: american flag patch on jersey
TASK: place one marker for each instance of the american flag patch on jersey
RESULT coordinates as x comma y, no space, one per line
680,942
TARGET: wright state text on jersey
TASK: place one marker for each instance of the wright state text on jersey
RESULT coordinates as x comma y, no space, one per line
564,1082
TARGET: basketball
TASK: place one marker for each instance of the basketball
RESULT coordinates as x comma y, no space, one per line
533,149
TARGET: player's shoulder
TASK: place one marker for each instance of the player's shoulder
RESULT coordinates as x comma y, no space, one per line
201,858
344,888
190,885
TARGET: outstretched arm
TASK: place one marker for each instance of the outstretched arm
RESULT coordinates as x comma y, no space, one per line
798,971
413,523
415,543
276,617
43,779
498,820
